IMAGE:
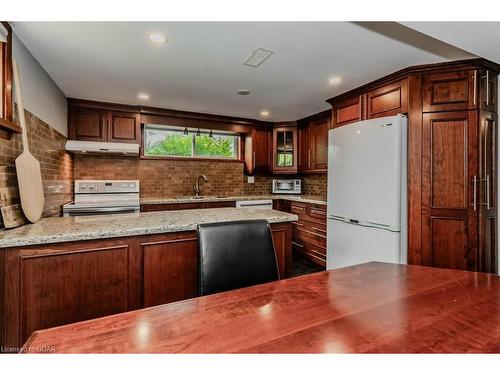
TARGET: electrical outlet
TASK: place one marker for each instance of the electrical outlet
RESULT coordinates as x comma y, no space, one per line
251,179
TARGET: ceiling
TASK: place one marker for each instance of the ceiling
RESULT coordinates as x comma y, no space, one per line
479,38
200,68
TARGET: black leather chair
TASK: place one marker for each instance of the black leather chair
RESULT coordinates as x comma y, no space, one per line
234,255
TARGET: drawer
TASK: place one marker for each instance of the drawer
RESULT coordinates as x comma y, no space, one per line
298,208
219,204
309,237
311,226
318,211
311,252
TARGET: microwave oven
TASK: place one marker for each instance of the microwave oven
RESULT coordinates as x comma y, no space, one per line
287,186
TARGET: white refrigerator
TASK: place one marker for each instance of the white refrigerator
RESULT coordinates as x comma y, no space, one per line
367,192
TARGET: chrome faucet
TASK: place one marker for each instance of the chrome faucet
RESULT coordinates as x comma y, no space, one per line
196,186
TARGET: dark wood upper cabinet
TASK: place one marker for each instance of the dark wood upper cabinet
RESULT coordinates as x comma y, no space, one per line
124,127
257,152
102,125
7,127
87,124
388,100
453,91
285,150
304,156
347,111
319,144
313,143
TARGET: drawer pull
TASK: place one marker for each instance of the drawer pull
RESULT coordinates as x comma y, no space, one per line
297,244
299,224
319,230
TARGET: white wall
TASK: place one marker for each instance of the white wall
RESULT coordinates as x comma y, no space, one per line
41,96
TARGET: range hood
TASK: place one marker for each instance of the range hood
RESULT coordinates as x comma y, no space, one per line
84,147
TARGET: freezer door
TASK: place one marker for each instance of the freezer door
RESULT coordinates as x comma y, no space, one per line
365,170
350,244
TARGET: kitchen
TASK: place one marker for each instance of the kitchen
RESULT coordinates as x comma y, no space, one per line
374,192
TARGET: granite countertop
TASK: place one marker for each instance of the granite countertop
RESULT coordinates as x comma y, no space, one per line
296,198
80,228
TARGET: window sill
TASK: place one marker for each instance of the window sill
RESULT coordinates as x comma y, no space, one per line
181,158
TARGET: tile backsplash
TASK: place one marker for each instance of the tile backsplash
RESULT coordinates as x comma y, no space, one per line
47,146
171,178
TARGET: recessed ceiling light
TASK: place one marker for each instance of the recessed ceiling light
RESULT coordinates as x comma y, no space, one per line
143,96
264,113
157,38
335,80
243,92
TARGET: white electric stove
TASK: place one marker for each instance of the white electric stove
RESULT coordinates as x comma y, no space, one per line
100,197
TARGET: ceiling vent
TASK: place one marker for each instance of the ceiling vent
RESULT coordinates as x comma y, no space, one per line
257,57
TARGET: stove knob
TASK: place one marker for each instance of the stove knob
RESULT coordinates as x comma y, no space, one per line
83,187
91,187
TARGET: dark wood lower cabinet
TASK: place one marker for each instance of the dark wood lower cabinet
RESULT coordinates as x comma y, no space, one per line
185,206
53,285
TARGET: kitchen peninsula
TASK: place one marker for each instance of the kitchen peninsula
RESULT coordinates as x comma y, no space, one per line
68,269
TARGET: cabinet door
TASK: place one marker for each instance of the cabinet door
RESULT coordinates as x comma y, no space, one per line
487,258
388,100
48,288
319,144
347,111
261,148
285,150
124,127
449,91
170,269
88,124
304,148
450,188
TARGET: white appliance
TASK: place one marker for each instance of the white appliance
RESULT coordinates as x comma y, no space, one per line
261,203
367,190
287,186
84,147
100,197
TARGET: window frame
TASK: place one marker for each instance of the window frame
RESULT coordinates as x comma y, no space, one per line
192,131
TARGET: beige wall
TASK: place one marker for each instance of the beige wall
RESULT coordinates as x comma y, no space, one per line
41,96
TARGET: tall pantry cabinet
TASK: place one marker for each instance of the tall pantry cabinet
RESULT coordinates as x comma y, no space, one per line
452,157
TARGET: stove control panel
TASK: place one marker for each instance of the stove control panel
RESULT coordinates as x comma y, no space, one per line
106,186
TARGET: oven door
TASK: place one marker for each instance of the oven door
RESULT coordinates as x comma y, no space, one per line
69,210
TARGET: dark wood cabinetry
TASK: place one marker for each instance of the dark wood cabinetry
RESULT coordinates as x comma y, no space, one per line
185,206
388,100
347,111
51,285
450,187
284,150
452,156
309,232
102,125
313,143
258,151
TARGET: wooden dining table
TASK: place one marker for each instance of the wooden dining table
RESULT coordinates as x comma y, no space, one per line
367,308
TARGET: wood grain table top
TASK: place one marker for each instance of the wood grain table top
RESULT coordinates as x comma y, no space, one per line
369,308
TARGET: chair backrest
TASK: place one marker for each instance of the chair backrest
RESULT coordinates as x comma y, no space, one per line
234,255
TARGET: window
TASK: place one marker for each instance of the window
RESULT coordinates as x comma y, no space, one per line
174,142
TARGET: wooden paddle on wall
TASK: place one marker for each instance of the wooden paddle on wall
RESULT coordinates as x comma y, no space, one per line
29,177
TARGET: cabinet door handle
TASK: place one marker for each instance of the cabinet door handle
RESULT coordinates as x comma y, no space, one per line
487,203
297,244
475,88
309,159
474,195
487,87
253,159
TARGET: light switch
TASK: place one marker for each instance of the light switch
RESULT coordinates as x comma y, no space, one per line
251,179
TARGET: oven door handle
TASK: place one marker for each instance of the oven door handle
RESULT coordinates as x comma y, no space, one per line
102,209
